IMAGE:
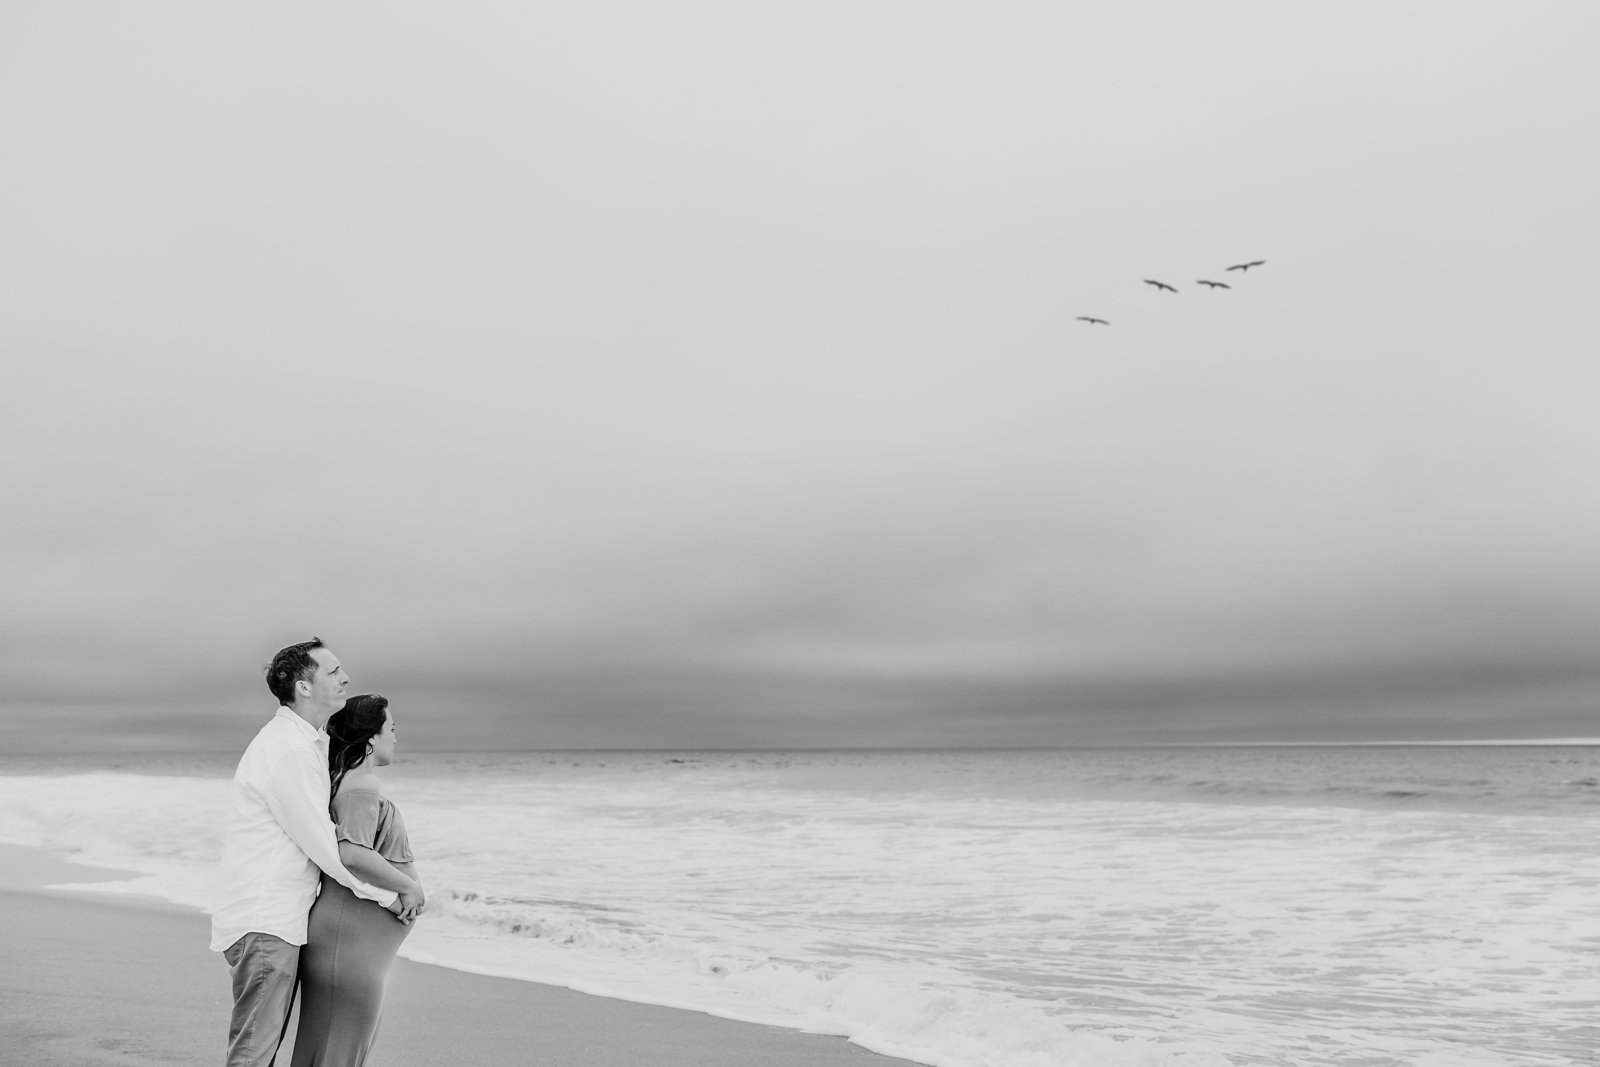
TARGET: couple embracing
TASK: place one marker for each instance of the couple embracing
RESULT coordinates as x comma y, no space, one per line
317,884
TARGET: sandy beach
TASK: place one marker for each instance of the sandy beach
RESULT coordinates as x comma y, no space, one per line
87,979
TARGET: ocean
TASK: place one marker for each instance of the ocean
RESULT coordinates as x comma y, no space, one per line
1387,906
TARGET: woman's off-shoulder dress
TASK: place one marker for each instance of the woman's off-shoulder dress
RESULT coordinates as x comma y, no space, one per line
350,943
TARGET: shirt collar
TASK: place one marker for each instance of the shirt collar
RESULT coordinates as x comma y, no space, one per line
307,731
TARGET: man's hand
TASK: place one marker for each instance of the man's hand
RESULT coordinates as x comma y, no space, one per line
410,902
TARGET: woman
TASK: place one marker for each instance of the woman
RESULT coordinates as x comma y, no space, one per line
351,943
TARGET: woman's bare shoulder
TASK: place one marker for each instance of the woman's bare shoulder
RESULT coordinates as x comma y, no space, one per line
357,782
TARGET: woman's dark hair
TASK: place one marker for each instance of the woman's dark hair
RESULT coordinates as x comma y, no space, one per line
289,666
350,733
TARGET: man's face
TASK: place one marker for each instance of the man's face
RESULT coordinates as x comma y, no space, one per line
327,685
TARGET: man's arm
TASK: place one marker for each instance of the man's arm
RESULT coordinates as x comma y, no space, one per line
296,796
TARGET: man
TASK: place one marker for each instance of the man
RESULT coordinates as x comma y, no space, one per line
280,837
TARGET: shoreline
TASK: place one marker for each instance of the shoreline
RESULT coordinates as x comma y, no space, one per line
88,978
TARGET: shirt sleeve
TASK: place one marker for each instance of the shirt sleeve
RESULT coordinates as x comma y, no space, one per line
294,795
360,813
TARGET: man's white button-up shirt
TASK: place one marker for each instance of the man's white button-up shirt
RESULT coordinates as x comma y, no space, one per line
279,837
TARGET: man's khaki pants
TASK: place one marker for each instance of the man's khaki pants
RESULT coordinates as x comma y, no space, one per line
264,970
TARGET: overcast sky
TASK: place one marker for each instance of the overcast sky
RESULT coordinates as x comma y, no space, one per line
709,374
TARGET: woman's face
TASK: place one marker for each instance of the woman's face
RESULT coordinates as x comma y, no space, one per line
383,742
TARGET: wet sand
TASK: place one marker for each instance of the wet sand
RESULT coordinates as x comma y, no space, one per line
89,979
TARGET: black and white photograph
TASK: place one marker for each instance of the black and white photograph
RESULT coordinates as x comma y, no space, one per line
776,534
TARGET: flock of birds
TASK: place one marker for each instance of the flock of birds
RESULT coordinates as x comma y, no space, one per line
1164,287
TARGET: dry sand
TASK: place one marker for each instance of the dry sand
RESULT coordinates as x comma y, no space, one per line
89,980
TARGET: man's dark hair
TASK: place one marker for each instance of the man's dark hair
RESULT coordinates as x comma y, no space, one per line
289,666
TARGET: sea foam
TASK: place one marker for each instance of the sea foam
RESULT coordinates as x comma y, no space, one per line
965,916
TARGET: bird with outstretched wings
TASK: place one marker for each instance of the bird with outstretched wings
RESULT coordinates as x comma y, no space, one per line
1161,285
1213,285
1092,321
1247,266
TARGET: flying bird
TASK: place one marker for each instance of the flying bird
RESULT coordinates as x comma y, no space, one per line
1214,285
1161,285
1247,266
1092,321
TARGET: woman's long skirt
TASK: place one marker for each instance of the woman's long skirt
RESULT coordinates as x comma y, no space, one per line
344,973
